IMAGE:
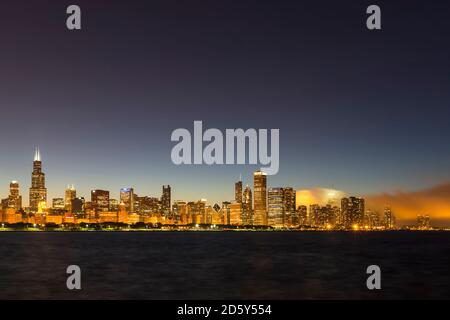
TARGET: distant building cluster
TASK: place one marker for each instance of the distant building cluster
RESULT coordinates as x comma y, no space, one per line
263,207
423,222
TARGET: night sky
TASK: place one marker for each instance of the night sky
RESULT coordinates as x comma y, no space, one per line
362,111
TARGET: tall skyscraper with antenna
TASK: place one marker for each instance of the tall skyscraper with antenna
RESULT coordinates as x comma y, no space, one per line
38,191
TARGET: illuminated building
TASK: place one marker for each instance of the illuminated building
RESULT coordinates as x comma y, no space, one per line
260,198
314,215
134,218
39,218
166,200
330,214
339,217
423,222
5,204
127,198
335,217
238,191
196,211
68,217
208,214
295,220
247,212
225,212
38,191
289,201
323,216
77,205
148,205
14,199
11,216
201,207
275,216
123,213
216,216
69,195
91,216
136,204
100,200
58,204
352,211
113,205
107,216
41,212
179,210
372,219
150,219
302,214
55,219
235,213
389,218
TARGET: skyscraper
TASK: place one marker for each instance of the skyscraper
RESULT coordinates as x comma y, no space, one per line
423,222
275,215
77,205
314,215
302,215
372,219
289,199
179,210
260,198
148,205
166,200
14,199
236,213
281,207
352,211
69,195
247,201
38,191
100,200
127,198
389,218
225,212
238,191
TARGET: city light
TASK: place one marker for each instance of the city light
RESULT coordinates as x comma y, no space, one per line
258,208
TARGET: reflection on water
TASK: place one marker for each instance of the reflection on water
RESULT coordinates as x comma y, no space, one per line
224,265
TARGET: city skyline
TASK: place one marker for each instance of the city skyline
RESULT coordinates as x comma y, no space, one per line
367,114
225,156
263,204
272,207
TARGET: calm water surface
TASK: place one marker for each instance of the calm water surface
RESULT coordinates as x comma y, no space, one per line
224,265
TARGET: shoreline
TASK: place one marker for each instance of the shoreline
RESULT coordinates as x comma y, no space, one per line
218,231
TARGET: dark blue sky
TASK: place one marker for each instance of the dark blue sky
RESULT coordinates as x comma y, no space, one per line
357,110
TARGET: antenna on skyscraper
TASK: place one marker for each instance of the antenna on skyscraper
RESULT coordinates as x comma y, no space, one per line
37,155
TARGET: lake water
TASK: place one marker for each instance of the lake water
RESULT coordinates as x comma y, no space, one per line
224,265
